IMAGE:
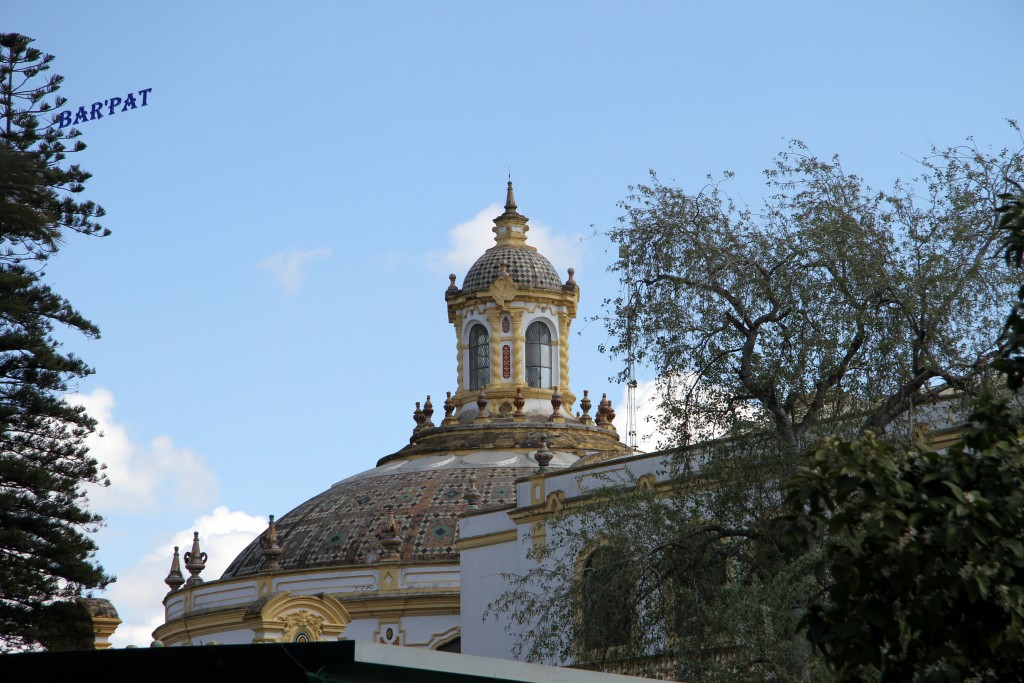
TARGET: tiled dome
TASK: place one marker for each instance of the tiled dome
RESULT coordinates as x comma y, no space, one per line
526,266
342,525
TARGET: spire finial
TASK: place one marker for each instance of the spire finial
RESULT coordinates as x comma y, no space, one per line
195,561
174,577
510,227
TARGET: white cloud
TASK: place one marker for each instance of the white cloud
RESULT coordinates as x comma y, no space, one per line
149,484
139,591
155,477
291,266
467,241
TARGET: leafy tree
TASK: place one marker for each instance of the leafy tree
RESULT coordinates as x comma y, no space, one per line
45,550
923,551
833,299
831,310
1011,361
670,584
923,554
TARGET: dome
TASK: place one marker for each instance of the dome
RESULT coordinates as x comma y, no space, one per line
526,266
342,525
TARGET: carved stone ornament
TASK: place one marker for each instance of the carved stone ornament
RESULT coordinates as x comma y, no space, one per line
519,402
303,621
504,289
195,561
271,548
483,415
418,417
585,404
390,539
556,406
428,412
175,578
449,410
543,456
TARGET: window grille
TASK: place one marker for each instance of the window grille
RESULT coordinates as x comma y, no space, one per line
479,358
538,355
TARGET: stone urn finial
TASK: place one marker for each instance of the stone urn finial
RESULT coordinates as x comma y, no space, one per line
449,410
483,415
195,561
543,456
585,405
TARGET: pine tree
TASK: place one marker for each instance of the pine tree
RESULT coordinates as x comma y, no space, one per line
46,554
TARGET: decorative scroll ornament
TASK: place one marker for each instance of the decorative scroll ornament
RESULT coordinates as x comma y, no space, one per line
504,288
303,622
195,562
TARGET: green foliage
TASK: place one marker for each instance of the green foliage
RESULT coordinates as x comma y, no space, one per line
922,551
1011,361
923,555
830,311
64,625
832,299
694,584
45,551
47,189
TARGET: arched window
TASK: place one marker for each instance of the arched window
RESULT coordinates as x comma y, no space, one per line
538,355
479,358
606,599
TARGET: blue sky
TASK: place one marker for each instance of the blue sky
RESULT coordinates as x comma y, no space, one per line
286,208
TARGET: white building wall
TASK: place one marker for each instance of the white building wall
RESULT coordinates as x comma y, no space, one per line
483,583
483,567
